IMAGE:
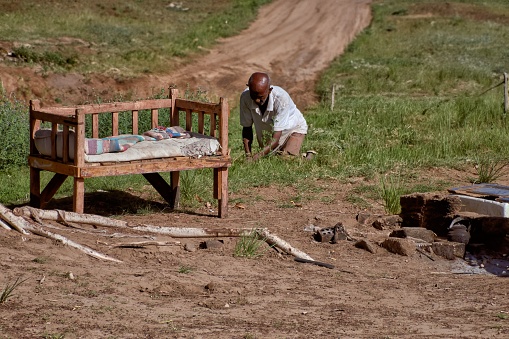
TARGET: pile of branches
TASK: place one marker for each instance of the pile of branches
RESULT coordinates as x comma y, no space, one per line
29,220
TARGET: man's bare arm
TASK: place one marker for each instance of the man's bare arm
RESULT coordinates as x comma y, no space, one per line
273,144
247,139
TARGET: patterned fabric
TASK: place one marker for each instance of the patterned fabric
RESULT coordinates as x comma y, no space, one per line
161,133
118,143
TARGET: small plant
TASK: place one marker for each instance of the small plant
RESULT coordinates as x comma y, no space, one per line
503,315
248,246
54,336
489,168
184,269
9,289
390,192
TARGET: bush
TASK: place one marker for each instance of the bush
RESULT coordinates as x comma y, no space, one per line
15,132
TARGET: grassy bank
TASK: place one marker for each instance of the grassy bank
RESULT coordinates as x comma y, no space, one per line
126,38
419,88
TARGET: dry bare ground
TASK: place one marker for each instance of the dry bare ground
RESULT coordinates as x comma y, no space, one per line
182,291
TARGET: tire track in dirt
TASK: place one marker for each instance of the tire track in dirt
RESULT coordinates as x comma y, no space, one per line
292,40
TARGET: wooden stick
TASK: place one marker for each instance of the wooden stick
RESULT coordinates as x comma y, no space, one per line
5,225
148,243
273,240
93,253
194,232
58,215
22,225
18,223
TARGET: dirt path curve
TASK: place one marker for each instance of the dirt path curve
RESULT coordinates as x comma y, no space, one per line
292,40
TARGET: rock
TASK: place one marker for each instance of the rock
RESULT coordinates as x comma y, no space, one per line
387,222
190,247
449,250
210,244
414,232
366,218
340,233
365,245
210,287
459,233
399,246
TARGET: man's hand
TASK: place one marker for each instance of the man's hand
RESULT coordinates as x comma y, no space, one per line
252,158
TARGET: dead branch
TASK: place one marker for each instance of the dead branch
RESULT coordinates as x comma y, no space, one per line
93,253
67,217
18,223
273,240
148,243
194,232
22,225
5,225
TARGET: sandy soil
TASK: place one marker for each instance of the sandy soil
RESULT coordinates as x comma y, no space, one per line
183,291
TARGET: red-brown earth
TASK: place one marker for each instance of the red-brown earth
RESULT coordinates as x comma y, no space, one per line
174,292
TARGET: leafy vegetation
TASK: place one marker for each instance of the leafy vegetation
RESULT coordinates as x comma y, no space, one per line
14,136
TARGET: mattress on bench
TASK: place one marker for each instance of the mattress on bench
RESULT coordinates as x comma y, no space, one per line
197,145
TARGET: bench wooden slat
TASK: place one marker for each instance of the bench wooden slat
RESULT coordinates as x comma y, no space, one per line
134,117
114,123
95,125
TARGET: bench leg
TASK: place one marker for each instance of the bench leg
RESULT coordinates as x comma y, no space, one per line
78,203
221,190
170,193
35,187
175,188
40,199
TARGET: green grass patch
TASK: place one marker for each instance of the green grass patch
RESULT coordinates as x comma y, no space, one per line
123,39
249,246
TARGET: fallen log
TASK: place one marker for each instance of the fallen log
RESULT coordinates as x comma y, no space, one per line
273,240
66,217
194,232
18,223
23,226
139,244
5,225
91,252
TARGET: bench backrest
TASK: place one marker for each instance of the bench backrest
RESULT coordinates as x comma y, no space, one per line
90,120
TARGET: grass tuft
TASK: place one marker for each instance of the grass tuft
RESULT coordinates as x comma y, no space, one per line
9,289
390,192
489,168
185,269
249,246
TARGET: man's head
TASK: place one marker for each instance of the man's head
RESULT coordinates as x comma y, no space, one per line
259,87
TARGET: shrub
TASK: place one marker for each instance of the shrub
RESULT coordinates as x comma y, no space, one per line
15,132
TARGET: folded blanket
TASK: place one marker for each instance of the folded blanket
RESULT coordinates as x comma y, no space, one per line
118,143
161,133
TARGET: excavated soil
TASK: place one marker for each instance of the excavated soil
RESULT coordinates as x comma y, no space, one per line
184,291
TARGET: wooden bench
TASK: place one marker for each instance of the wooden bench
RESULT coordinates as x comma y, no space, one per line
84,121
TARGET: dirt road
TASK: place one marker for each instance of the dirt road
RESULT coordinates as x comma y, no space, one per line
293,40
